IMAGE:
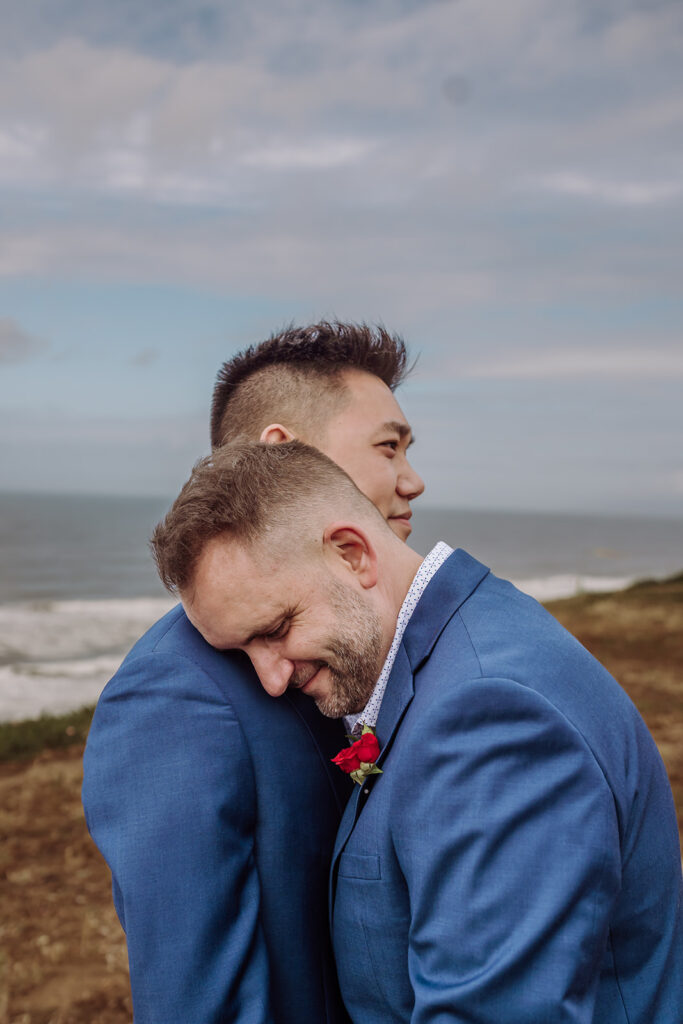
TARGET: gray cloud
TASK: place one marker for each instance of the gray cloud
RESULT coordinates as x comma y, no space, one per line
16,345
352,120
500,182
183,30
619,193
150,126
179,28
146,357
456,89
576,363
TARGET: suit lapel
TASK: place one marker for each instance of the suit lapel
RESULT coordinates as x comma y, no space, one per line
398,696
454,582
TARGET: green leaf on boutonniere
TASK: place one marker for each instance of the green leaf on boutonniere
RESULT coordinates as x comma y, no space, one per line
361,774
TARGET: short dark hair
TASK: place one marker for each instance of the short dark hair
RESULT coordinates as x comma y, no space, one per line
243,489
295,377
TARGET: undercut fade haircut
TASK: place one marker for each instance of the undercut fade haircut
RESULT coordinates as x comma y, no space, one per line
245,489
295,378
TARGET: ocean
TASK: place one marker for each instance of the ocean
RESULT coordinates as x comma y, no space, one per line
78,585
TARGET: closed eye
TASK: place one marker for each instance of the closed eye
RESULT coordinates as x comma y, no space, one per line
280,631
276,633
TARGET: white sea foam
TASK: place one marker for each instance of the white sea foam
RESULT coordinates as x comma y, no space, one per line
548,588
29,689
58,655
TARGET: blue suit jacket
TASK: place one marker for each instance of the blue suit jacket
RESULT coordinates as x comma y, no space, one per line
216,808
518,859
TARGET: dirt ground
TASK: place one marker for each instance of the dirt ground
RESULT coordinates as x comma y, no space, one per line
638,635
62,952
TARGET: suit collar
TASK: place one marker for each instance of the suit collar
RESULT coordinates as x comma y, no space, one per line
449,588
397,697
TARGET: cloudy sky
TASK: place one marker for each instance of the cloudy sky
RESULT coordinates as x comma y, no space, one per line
499,182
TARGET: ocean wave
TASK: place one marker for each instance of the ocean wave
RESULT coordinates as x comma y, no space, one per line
549,588
58,655
56,630
31,689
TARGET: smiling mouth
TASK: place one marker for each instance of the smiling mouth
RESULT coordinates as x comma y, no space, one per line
301,680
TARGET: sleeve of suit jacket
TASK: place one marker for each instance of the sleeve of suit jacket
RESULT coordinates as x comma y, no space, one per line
510,850
170,801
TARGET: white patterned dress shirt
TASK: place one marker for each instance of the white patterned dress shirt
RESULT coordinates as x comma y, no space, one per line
368,716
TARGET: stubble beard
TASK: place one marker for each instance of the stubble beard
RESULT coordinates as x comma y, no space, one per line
356,653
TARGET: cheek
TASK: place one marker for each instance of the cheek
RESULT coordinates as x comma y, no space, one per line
311,642
378,483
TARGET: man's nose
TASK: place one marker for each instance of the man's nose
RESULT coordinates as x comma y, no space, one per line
273,670
410,484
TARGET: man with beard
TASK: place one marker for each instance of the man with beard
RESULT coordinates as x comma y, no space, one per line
215,808
511,851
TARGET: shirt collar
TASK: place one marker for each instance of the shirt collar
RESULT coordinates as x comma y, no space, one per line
429,566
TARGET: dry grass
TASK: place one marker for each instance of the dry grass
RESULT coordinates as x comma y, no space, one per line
638,635
62,952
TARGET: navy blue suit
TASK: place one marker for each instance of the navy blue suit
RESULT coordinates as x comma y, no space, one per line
216,808
518,859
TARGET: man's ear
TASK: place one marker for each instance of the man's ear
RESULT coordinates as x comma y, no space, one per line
275,433
350,547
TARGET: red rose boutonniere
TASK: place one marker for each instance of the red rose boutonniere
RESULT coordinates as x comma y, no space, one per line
358,760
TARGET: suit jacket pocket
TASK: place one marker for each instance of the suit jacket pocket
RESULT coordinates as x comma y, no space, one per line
360,865
370,930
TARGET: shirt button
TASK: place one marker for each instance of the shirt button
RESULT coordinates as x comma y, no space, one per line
366,791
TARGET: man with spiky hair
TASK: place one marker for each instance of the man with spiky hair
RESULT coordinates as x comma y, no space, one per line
216,808
276,376
330,385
